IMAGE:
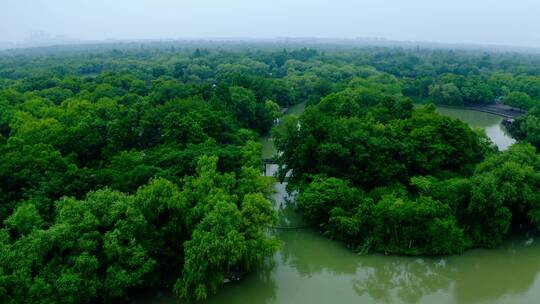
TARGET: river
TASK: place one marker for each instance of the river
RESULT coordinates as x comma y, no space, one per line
309,268
489,122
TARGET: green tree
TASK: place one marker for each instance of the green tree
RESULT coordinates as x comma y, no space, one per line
519,100
447,93
527,127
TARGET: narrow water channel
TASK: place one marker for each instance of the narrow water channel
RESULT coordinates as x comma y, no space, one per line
312,269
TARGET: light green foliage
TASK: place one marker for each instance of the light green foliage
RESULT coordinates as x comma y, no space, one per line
215,247
24,219
257,214
228,229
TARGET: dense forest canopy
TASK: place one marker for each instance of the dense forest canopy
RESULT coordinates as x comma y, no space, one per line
129,167
406,181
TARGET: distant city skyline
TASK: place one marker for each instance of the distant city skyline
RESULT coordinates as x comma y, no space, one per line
479,22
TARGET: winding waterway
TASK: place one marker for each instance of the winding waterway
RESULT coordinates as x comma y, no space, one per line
312,269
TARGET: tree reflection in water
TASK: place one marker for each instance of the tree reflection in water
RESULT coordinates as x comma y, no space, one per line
312,269
482,275
478,275
257,287
302,251
491,274
386,278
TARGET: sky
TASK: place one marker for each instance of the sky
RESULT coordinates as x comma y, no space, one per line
500,22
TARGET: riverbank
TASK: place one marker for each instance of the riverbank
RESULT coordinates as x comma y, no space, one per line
497,109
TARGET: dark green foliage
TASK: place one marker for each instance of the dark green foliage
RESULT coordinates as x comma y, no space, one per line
182,153
374,139
434,185
392,224
527,127
435,145
519,100
125,168
420,227
437,216
447,94
325,194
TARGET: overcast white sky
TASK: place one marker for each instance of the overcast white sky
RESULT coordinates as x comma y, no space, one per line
514,22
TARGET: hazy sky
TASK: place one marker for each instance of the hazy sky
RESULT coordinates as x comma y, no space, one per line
509,22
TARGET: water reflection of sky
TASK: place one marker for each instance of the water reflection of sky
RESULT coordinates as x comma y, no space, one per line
498,134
